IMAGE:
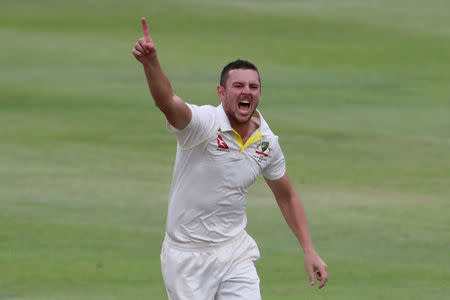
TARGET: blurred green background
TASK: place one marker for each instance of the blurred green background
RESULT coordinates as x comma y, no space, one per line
358,92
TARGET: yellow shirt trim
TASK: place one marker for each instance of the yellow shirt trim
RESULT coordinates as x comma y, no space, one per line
253,139
192,147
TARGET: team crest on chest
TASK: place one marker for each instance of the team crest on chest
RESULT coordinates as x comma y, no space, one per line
262,151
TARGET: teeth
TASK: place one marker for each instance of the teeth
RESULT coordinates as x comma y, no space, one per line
245,102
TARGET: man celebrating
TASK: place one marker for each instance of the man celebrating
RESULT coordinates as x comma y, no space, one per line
207,254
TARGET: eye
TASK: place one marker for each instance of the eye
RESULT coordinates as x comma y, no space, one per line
254,86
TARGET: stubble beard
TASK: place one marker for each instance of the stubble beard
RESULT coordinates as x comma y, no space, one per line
234,119
233,114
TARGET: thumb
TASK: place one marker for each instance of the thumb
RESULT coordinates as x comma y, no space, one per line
310,271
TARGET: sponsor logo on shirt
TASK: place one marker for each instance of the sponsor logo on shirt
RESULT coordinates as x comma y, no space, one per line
221,145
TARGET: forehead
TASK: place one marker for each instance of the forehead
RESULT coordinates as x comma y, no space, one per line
243,75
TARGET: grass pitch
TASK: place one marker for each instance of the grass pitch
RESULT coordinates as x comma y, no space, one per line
358,92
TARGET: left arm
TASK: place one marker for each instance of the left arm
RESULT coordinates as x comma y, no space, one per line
293,212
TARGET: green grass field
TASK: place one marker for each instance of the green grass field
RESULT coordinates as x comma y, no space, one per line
358,91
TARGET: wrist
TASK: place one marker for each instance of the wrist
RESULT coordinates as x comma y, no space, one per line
309,250
150,62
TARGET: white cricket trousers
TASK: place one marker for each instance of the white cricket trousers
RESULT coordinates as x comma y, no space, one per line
217,272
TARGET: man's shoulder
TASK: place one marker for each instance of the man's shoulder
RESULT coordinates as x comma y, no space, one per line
202,108
265,129
203,116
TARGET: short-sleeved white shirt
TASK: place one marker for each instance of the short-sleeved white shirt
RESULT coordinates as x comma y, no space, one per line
212,173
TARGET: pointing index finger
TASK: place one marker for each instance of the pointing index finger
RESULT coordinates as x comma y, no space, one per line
145,29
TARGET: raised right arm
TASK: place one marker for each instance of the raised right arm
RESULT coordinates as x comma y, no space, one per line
177,113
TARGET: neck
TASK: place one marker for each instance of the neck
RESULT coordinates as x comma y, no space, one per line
245,130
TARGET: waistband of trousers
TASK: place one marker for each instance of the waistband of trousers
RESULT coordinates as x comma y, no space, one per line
202,246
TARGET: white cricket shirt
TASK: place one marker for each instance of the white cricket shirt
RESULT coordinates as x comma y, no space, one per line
213,170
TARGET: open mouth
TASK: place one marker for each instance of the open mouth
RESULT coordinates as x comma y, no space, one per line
244,105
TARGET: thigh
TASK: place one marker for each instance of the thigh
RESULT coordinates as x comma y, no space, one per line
188,274
242,283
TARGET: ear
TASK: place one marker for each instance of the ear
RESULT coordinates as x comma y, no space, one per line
221,92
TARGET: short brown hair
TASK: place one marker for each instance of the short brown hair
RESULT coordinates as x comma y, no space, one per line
237,64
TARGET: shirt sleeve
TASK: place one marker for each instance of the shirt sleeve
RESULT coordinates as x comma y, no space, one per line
199,128
276,168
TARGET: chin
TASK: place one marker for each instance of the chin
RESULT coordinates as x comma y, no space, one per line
244,120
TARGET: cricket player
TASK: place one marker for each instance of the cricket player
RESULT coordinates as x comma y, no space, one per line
207,254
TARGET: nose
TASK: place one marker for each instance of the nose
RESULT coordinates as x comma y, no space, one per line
246,89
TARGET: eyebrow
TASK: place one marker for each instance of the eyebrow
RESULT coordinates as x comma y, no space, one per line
242,82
